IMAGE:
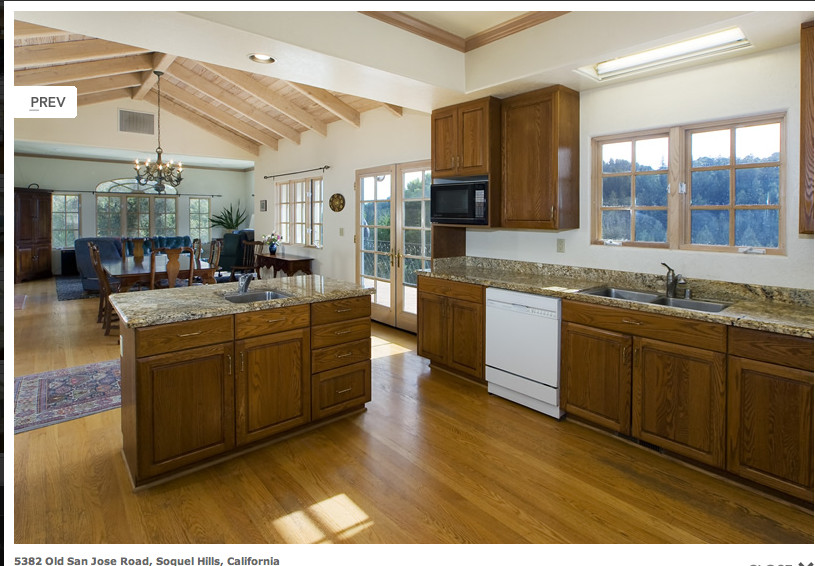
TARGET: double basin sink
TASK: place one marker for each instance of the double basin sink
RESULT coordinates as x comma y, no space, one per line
655,299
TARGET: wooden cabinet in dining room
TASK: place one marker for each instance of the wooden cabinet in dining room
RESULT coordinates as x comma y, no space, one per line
32,234
541,159
770,410
465,139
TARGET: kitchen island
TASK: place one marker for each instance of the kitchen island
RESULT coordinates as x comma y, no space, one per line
204,378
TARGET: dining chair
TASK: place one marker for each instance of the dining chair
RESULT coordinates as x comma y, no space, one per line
248,264
106,313
174,272
212,260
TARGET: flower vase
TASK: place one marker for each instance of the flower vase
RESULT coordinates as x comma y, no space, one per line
272,248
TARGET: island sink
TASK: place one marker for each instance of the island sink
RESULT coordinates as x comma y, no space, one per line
255,296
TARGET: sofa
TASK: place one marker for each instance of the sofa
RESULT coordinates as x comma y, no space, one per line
110,249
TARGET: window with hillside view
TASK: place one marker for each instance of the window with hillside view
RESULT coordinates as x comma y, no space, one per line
710,187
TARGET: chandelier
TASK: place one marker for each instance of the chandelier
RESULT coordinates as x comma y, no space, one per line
158,172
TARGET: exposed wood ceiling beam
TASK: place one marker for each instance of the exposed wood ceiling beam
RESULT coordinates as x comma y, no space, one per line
219,116
249,84
201,122
395,110
214,91
161,62
25,30
71,52
82,71
85,100
103,84
329,102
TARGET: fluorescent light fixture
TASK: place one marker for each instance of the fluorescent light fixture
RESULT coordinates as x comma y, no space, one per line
698,47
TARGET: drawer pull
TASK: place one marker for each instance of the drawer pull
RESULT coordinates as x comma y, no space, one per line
343,310
228,364
276,320
629,321
190,334
345,355
343,391
341,332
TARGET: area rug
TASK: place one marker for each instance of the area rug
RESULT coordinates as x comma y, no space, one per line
70,288
65,394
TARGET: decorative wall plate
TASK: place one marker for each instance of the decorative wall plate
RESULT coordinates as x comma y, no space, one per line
336,202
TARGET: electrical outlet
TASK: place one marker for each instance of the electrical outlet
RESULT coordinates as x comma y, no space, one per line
561,246
342,231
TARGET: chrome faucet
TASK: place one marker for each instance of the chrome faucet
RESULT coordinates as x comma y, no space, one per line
243,282
671,279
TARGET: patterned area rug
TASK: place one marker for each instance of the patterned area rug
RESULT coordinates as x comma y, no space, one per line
65,394
70,288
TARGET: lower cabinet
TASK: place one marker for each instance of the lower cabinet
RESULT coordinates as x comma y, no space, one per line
451,326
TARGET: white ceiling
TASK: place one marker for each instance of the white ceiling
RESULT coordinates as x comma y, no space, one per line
345,51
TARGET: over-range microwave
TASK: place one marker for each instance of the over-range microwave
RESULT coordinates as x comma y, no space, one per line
459,202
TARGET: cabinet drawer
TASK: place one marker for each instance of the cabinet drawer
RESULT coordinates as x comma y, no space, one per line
258,323
790,351
342,309
183,335
455,289
707,335
340,332
340,355
339,389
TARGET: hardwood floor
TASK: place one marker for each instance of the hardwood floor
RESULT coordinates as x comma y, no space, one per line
434,459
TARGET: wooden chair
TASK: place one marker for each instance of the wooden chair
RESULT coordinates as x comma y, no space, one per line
247,264
212,260
106,313
174,271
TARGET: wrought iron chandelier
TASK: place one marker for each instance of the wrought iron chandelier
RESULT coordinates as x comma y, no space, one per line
158,172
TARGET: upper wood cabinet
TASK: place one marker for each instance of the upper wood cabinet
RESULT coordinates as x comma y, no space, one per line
540,159
465,139
805,222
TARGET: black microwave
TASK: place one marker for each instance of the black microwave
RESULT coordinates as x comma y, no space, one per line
459,202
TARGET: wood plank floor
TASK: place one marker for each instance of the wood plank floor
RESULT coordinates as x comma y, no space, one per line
434,459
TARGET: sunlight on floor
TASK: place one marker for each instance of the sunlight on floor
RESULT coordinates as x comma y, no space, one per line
334,519
382,348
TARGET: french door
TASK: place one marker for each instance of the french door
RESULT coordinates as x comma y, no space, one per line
393,238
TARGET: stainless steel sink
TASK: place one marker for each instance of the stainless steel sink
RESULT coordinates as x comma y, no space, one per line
625,294
255,296
693,304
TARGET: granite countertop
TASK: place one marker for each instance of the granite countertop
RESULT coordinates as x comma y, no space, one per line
772,309
161,306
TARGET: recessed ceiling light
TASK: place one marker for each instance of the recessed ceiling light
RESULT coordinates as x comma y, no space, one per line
261,58
695,48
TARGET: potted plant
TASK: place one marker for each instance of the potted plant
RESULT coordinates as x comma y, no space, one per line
271,240
229,219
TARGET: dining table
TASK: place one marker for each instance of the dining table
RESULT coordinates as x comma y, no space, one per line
130,271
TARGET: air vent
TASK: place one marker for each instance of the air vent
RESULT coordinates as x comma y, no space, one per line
136,122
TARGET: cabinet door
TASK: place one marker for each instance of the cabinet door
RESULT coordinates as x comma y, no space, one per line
769,425
41,265
185,408
596,376
679,399
473,135
273,377
24,262
432,327
444,141
465,326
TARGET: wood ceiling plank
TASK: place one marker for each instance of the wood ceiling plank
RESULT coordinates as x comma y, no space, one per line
103,84
161,62
82,71
87,99
256,89
26,30
200,83
396,110
71,52
219,116
205,124
329,102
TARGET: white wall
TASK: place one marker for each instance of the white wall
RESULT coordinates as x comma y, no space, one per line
764,83
381,139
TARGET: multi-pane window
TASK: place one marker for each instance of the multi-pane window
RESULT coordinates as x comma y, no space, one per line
712,187
123,208
300,211
165,216
64,220
137,217
199,219
109,216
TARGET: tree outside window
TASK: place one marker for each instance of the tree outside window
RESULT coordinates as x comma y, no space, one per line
64,220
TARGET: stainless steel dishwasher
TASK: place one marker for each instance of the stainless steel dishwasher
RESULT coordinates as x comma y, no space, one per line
523,349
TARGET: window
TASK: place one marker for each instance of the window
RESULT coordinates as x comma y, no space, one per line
199,219
300,211
64,220
136,211
710,187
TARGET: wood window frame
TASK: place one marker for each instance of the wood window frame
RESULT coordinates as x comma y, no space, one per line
310,207
65,213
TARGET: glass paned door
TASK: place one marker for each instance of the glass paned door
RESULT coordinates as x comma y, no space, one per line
393,238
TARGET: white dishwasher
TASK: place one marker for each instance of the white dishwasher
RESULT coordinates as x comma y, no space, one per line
523,349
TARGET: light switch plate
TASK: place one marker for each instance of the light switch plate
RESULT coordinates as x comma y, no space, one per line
561,246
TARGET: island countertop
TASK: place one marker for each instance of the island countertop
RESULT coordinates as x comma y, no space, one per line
138,309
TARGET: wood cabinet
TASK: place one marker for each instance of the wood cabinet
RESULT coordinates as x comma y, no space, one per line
770,410
659,378
32,234
465,139
540,150
451,326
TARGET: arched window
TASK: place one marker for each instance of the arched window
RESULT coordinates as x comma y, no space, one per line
126,208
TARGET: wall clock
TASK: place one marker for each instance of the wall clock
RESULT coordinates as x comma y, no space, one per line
336,202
